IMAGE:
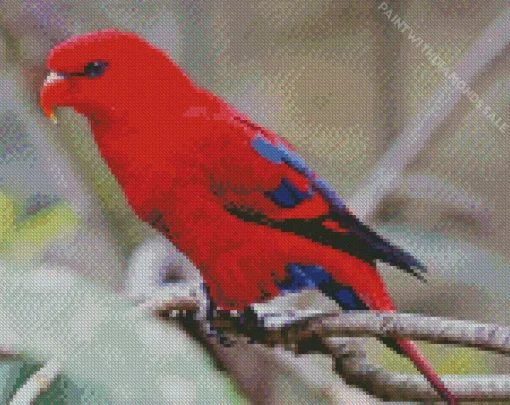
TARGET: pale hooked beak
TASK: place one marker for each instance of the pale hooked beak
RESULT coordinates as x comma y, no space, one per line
52,78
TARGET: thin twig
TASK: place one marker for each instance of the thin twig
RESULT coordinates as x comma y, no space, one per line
351,363
356,370
292,328
415,326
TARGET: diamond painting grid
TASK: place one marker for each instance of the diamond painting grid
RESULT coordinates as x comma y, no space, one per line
420,154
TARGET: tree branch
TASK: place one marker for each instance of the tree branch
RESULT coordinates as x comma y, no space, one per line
291,329
308,331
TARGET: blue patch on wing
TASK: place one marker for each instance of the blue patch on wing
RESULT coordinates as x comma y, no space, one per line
295,161
266,149
281,154
307,277
347,299
381,248
286,195
300,277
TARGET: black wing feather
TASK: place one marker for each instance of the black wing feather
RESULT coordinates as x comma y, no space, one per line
359,240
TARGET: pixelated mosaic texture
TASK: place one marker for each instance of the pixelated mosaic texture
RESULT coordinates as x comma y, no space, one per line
338,80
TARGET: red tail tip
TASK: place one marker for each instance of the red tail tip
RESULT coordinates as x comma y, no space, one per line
425,368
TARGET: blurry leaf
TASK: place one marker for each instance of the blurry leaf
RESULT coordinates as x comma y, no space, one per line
464,360
6,215
10,372
445,359
23,371
34,234
106,346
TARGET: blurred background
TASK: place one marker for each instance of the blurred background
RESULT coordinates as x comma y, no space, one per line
364,104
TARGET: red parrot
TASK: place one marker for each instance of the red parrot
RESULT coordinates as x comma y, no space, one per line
233,196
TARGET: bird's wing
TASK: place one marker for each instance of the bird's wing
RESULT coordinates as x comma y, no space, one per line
260,178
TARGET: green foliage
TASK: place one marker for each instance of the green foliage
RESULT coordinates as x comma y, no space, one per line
108,351
25,235
444,359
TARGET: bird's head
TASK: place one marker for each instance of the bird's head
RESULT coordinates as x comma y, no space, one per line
105,72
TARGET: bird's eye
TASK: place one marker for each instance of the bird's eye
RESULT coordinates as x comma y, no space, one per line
95,69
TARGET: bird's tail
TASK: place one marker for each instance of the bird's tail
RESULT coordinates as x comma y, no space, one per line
421,363
348,299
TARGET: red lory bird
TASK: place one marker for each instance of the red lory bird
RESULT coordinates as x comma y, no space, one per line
233,196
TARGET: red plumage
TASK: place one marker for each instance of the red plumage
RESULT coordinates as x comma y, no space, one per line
225,191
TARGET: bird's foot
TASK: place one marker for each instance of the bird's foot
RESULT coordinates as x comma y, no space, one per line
251,326
220,337
217,333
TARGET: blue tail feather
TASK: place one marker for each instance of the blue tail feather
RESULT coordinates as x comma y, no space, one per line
306,277
301,277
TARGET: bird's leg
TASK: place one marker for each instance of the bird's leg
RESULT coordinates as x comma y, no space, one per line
251,325
214,332
247,323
